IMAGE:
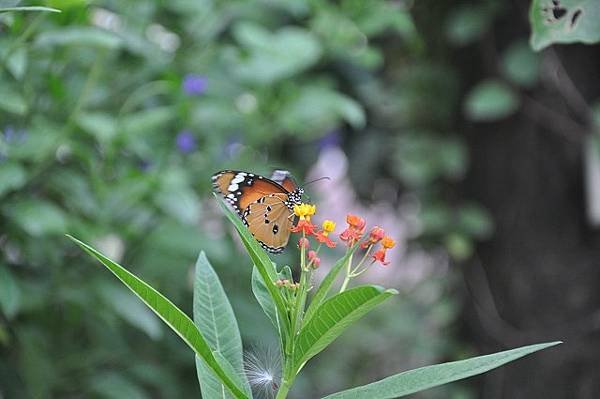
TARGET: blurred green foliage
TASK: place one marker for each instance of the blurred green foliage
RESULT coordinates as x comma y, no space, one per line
114,114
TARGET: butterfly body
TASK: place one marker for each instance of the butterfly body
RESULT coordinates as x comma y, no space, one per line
264,205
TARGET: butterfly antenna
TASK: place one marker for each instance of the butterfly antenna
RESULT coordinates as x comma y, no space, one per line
316,180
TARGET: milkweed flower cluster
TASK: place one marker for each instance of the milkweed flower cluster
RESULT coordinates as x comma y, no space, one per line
375,244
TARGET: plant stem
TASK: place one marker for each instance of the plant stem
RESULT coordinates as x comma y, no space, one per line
348,274
284,389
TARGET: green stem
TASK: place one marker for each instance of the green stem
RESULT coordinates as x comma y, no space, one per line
355,272
284,389
348,274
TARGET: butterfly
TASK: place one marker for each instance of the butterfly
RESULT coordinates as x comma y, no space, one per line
266,206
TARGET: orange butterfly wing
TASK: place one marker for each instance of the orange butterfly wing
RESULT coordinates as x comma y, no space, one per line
269,220
240,189
262,203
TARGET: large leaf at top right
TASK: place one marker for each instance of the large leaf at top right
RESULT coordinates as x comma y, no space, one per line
564,21
417,380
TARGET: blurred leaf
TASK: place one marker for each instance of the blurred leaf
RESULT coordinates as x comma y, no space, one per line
148,120
85,36
520,64
170,314
12,177
459,246
490,100
30,8
10,293
564,21
17,62
466,24
66,4
176,198
214,317
99,124
110,385
131,310
332,317
39,371
12,101
435,218
427,377
274,56
37,217
317,109
475,221
38,142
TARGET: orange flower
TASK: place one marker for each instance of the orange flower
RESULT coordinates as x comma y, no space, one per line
375,236
321,236
304,226
379,256
355,222
355,230
386,243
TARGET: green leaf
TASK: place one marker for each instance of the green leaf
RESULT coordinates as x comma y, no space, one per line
431,376
12,177
79,36
263,264
520,64
566,21
261,293
214,317
274,56
30,8
38,217
12,101
466,24
10,293
333,317
99,124
490,100
317,108
179,322
326,284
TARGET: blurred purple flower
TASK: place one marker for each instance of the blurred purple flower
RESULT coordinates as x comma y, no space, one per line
14,136
194,85
186,142
145,165
332,138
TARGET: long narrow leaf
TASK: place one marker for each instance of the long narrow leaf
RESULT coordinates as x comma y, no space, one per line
215,319
29,8
431,376
263,264
333,317
326,284
170,314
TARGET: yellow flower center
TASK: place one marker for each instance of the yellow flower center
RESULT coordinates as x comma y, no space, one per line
304,211
328,227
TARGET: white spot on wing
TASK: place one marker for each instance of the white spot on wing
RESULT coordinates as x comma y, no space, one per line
233,186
